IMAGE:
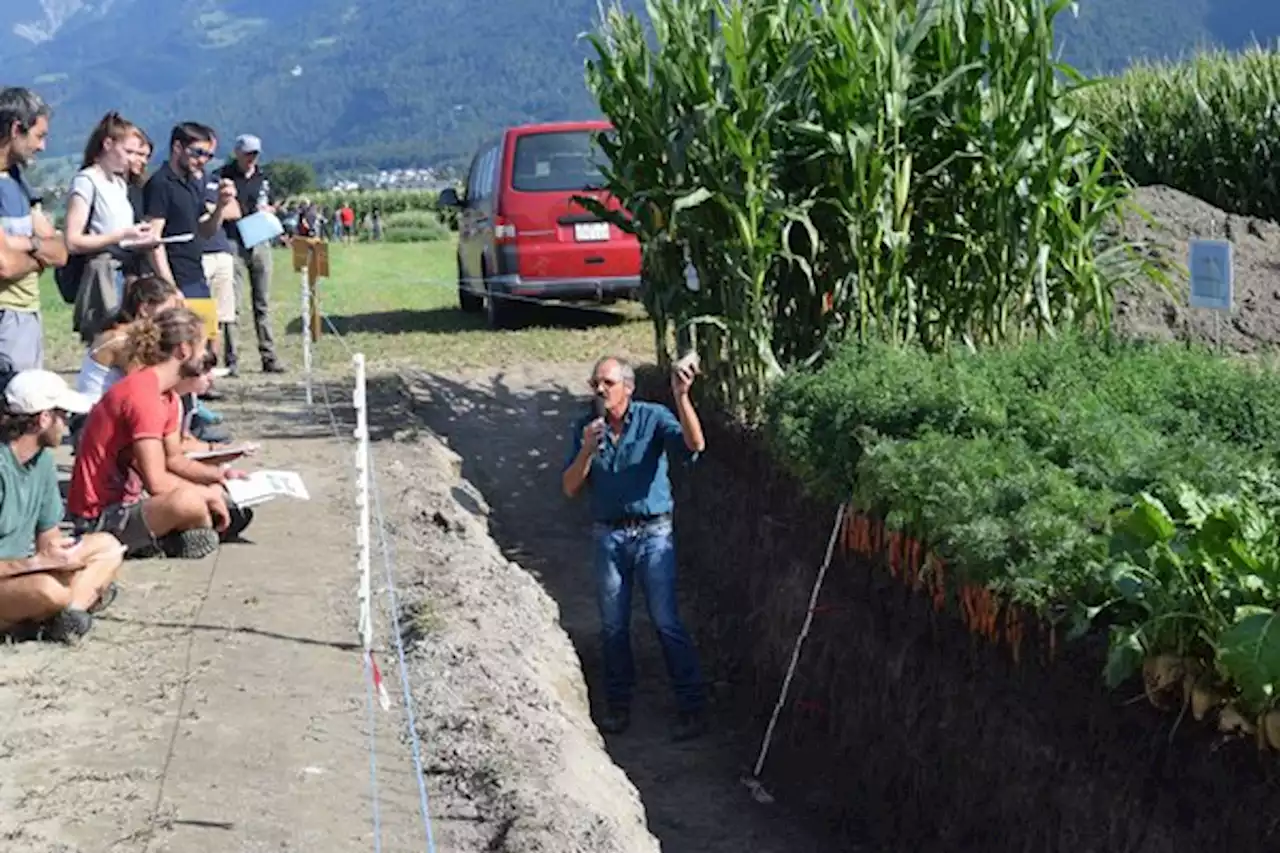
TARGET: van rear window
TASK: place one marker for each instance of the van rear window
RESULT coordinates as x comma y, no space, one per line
557,161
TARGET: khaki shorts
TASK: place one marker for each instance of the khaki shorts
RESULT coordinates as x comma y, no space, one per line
123,521
220,270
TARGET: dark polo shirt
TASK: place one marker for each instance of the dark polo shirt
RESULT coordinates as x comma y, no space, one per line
180,202
250,192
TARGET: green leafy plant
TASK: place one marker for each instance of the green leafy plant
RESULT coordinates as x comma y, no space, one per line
905,171
1201,582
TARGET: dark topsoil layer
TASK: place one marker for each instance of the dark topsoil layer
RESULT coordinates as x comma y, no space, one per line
906,732
1254,324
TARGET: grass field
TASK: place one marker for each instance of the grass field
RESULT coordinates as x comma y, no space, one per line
398,304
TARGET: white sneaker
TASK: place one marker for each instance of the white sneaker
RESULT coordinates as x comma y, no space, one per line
221,372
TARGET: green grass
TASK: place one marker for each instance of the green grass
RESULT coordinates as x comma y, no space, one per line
398,304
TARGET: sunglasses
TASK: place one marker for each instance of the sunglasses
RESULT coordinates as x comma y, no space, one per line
202,153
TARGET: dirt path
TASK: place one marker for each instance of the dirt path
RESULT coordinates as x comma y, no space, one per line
511,430
220,705
217,705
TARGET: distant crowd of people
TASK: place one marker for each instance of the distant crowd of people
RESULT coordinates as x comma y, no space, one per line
153,263
305,219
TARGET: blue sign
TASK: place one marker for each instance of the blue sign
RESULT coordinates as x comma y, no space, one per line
1212,274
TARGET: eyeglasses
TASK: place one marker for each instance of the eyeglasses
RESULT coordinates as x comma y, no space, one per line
200,153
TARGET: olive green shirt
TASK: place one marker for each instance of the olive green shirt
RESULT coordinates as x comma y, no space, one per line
30,502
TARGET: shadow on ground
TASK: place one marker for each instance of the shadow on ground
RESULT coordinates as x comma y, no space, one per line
445,321
513,437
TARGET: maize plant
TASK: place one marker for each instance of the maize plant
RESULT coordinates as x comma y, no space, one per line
1209,127
900,170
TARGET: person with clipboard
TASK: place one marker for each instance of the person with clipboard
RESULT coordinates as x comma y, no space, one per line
50,585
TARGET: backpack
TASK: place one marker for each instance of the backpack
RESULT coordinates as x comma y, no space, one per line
68,276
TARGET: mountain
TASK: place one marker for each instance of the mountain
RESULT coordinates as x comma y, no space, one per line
350,83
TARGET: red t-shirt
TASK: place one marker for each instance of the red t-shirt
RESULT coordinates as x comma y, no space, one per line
348,216
133,409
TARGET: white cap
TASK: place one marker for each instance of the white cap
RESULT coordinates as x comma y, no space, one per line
34,391
248,143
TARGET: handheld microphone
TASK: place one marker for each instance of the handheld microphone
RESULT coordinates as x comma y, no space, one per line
597,403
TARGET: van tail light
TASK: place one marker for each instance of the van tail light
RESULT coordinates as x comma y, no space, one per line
503,231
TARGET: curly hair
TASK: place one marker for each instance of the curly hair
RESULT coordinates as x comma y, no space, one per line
154,340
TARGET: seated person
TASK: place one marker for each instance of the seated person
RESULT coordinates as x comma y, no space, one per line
106,360
49,585
126,448
179,444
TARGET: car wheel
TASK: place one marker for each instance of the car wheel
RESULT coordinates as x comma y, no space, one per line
468,301
499,312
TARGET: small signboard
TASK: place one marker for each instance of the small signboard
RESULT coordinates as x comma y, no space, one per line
301,251
319,260
1212,274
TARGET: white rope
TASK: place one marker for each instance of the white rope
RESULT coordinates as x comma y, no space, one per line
753,782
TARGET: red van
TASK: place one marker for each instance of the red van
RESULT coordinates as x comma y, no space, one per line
521,235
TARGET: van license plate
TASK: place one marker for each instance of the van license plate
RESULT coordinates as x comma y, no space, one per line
590,232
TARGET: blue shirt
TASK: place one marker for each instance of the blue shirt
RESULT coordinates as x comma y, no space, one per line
629,477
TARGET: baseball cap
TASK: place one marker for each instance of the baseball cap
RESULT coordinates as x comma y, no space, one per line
248,143
34,391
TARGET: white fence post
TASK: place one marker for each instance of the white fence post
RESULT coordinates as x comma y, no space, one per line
359,402
306,330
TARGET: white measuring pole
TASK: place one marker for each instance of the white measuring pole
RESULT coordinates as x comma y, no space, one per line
795,651
306,330
359,402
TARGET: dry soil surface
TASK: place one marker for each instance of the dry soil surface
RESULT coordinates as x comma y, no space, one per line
221,705
511,428
1149,312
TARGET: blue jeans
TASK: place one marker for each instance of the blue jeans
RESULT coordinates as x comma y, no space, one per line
646,554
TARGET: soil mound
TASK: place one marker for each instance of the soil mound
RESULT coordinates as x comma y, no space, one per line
1154,313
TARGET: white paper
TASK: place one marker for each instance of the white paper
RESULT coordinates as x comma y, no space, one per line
175,238
258,228
262,486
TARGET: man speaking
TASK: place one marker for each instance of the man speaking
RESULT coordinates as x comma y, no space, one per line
621,450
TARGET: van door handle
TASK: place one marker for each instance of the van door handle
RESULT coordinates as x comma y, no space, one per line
596,259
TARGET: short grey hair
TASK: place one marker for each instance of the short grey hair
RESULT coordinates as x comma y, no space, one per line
21,106
624,367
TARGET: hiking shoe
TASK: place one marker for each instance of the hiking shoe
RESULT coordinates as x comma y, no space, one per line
105,600
241,517
67,627
689,725
194,544
274,367
615,721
